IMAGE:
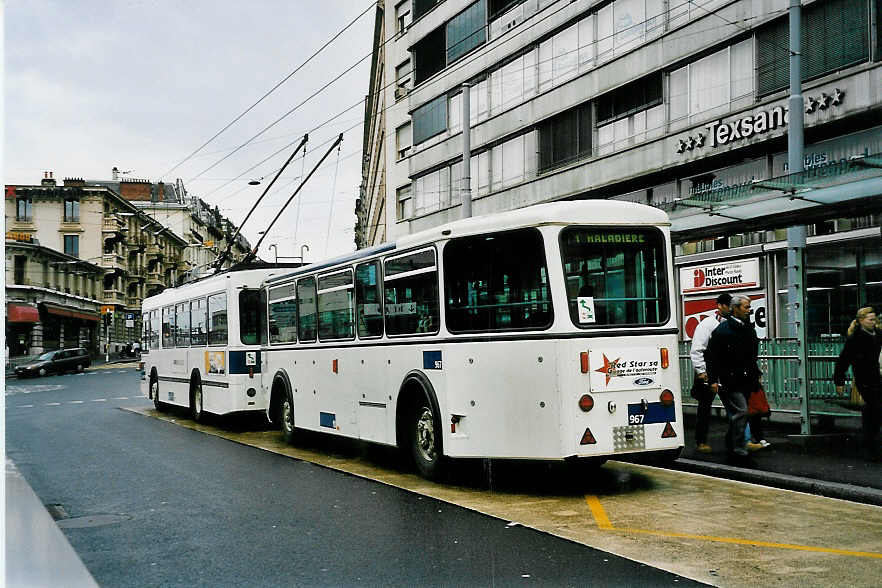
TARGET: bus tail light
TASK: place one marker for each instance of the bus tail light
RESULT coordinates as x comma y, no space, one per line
666,397
251,371
583,360
586,403
664,358
454,420
334,366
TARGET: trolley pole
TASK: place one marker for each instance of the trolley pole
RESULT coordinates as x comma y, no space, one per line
466,187
796,235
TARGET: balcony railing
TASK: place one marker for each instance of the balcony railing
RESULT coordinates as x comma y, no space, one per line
114,297
111,224
134,301
113,261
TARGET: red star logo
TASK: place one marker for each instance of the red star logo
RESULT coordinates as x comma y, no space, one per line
608,367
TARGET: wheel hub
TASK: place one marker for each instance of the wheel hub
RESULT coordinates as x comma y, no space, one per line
425,430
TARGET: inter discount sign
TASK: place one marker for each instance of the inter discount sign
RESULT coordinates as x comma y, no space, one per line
731,275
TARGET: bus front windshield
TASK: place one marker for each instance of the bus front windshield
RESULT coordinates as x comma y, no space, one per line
615,276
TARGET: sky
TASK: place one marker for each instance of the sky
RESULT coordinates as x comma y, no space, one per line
141,84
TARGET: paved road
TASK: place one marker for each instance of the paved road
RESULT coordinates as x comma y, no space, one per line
146,502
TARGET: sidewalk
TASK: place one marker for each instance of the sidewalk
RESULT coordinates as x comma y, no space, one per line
829,463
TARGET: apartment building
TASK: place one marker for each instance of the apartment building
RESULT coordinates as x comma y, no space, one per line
137,255
679,104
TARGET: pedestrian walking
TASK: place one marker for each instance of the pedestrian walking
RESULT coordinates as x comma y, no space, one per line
861,353
701,391
732,372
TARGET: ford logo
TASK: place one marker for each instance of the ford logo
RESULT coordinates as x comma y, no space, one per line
643,381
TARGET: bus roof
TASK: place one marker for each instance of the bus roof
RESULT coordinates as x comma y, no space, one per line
251,278
582,212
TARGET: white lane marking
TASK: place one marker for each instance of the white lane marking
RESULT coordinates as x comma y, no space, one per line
26,406
122,398
53,404
77,401
99,400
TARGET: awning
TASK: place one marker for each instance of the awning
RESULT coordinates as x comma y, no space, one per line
22,313
71,313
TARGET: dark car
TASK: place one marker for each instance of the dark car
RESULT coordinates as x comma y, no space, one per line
55,362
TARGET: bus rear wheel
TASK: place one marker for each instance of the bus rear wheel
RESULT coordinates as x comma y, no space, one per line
154,393
286,419
196,412
425,441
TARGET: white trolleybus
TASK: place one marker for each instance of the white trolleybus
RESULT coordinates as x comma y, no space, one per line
201,344
544,333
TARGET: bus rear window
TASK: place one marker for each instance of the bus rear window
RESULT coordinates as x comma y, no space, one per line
497,282
615,276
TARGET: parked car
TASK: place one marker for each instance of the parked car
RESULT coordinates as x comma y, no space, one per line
55,362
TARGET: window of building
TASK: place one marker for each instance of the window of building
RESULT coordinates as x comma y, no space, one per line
72,245
410,285
430,119
466,30
403,140
712,82
565,137
336,306
513,83
498,7
431,191
429,56
497,282
198,322
402,75
630,113
168,327
479,105
835,35
306,309
618,272
24,209
369,300
405,202
20,269
402,16
508,163
283,314
71,211
420,7
217,319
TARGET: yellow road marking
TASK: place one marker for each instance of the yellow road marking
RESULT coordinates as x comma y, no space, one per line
604,523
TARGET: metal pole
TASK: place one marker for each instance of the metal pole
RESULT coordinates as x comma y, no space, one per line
466,186
796,235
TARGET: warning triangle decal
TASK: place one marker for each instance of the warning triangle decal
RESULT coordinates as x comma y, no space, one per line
588,438
668,432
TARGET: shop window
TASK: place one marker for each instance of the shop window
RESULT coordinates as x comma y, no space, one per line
835,35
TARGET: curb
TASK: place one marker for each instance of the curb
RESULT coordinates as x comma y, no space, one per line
850,492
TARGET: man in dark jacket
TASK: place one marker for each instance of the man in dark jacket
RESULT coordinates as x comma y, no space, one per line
732,372
861,352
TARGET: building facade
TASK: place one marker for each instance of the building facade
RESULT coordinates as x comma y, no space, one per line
53,300
138,256
678,104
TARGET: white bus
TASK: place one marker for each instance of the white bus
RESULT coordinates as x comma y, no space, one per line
544,333
201,344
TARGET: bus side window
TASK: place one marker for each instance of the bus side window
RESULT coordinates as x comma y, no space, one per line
182,324
306,309
168,327
335,306
217,319
283,314
198,320
411,292
156,328
369,300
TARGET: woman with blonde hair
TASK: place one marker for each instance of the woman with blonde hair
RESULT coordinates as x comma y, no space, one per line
861,352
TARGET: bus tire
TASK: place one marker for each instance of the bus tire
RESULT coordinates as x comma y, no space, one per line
286,417
154,393
424,436
196,411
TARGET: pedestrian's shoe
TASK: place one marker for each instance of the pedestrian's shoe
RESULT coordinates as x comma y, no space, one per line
764,443
754,446
703,448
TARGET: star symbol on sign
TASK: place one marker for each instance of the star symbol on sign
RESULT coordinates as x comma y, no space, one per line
810,105
838,95
681,145
824,102
690,143
609,368
699,140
